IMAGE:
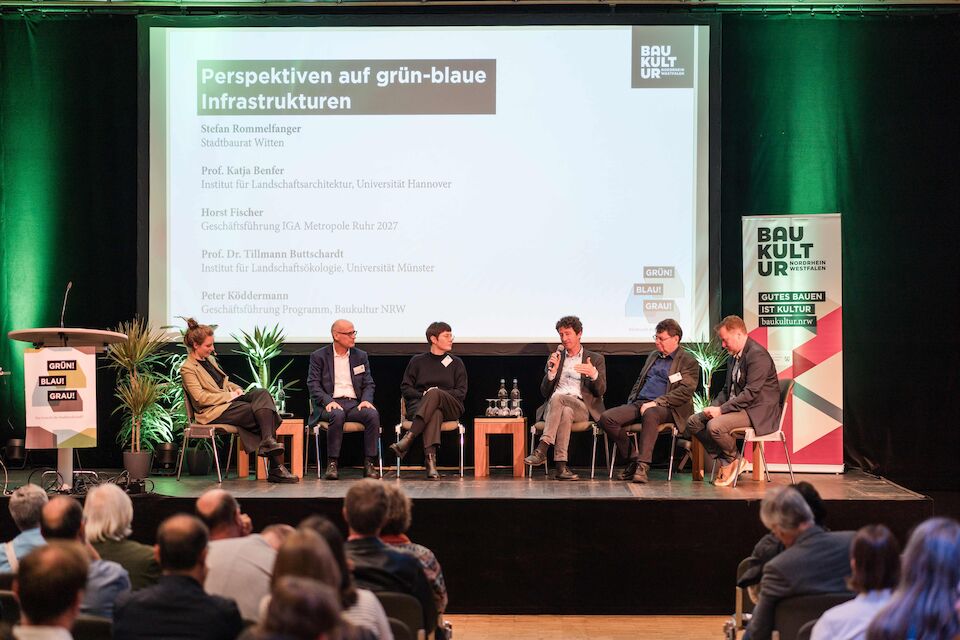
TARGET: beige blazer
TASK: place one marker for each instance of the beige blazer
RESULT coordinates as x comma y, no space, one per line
208,400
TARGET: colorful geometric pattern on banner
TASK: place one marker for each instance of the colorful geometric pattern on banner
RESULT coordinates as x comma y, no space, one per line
60,387
793,306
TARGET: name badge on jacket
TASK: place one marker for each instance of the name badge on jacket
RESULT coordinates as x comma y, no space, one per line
357,370
446,361
677,377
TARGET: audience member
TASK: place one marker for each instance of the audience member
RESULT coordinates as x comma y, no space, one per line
108,523
300,609
375,565
394,533
25,506
50,588
813,561
306,554
177,606
875,562
106,580
239,564
922,606
769,545
275,534
360,606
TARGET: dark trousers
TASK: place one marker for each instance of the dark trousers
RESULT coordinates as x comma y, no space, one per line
368,417
715,433
436,407
615,423
255,415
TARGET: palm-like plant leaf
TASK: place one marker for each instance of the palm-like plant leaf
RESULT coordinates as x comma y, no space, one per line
260,347
140,350
711,357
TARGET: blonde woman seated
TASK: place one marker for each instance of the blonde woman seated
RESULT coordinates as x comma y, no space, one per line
217,400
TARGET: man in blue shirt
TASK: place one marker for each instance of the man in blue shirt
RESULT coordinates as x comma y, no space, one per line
663,393
26,505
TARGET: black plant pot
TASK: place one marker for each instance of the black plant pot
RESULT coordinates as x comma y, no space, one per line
199,460
165,458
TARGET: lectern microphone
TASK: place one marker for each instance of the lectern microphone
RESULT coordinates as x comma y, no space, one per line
64,308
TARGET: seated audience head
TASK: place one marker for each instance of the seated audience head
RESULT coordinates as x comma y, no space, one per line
26,505
50,584
399,511
440,336
276,534
732,332
182,546
306,554
301,609
331,534
62,519
365,507
922,605
786,514
874,559
812,496
220,511
198,338
107,513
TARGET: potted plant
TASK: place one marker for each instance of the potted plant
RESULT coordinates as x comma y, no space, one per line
260,348
145,422
711,357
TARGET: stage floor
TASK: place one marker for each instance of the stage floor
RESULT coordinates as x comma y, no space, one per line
853,485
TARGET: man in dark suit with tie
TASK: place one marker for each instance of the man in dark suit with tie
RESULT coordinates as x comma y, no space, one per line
750,398
341,386
663,393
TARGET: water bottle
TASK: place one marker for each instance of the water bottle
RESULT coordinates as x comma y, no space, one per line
281,398
502,394
515,392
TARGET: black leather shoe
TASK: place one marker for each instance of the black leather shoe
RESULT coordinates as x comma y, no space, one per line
400,448
269,447
627,473
279,473
332,472
430,462
539,455
640,477
370,470
564,473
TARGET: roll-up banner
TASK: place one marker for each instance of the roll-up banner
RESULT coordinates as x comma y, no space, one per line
793,306
60,384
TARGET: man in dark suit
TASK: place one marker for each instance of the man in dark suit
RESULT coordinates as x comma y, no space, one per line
177,607
750,398
377,566
813,561
573,385
663,393
341,386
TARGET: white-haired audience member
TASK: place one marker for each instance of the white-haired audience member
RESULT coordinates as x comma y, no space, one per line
106,580
50,587
108,523
813,560
25,507
922,606
875,562
239,563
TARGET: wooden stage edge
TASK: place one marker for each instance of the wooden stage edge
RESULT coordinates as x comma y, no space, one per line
514,546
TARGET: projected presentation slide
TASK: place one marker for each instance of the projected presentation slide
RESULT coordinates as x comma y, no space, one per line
496,178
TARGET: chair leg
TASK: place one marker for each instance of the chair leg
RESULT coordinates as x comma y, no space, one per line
786,452
306,450
533,434
461,429
183,452
226,472
743,449
763,460
611,458
380,450
673,450
593,456
398,429
216,458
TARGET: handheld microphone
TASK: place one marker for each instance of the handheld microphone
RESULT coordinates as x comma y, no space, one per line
559,350
64,308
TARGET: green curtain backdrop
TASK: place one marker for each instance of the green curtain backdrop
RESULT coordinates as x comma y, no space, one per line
854,114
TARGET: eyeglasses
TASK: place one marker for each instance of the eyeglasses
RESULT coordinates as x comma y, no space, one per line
352,334
659,339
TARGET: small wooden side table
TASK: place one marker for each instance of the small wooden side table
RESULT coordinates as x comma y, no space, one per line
289,427
483,427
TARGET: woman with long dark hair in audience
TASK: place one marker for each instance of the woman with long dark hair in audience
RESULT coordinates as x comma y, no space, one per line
922,606
216,400
360,606
300,609
875,563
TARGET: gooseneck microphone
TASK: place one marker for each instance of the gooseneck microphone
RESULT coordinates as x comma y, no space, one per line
64,308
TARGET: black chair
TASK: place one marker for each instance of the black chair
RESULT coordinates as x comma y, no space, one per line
9,607
793,613
400,630
742,601
92,628
404,608
6,580
806,630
